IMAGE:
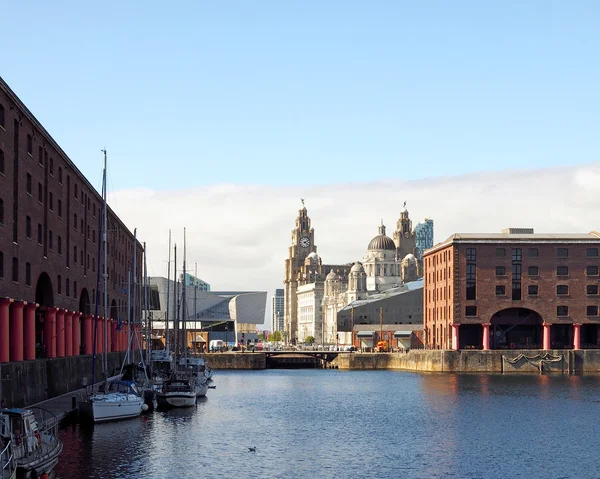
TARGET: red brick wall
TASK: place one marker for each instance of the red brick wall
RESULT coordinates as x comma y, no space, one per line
42,257
487,303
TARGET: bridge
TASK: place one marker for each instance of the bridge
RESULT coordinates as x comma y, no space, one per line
300,359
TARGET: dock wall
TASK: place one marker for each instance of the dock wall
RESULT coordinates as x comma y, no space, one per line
29,382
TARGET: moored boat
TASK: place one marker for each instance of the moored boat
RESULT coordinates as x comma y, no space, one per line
177,392
120,400
32,434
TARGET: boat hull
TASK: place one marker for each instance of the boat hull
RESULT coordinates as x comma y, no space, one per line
176,399
202,389
35,468
98,410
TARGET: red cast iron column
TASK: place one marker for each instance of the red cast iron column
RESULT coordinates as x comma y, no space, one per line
16,330
4,330
29,331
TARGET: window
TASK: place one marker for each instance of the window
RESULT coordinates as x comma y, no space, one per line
1,162
1,211
40,155
591,289
75,192
562,310
81,257
51,201
471,278
40,193
591,271
516,254
59,284
75,289
2,124
30,144
39,233
82,229
94,210
532,271
75,221
50,239
28,185
562,271
500,290
532,252
51,166
60,175
500,252
15,270
59,208
59,245
562,289
532,290
27,274
28,227
1,264
562,252
67,287
591,252
471,311
516,272
516,290
592,311
74,254
471,254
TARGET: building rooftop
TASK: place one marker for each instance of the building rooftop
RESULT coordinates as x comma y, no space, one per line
405,288
591,237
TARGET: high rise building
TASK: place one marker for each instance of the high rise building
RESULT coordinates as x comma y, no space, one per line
424,236
278,310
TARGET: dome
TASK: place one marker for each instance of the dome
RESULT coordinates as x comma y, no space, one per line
331,276
410,257
357,268
382,242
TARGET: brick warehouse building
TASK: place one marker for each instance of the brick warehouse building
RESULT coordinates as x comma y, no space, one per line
49,246
511,290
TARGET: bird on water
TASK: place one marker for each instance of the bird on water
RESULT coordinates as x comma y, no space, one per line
252,449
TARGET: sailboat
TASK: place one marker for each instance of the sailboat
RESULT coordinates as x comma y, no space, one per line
118,399
181,389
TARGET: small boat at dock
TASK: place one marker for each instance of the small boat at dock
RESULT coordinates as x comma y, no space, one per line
32,434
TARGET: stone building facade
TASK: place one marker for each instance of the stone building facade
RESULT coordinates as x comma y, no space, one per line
49,246
327,288
513,290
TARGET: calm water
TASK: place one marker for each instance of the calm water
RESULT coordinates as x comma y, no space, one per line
355,424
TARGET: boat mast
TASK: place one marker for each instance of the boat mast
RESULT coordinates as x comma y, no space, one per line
183,308
134,295
168,290
104,273
175,308
195,307
127,359
147,312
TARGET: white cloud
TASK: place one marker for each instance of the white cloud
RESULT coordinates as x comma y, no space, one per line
239,235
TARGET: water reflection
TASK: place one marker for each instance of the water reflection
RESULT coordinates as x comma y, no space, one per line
326,423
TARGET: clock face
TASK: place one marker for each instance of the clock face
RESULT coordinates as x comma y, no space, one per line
304,242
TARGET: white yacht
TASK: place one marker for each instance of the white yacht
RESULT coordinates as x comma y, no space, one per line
120,400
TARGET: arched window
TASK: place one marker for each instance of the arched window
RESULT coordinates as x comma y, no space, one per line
2,124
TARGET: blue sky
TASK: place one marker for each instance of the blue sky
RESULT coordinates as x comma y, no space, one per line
187,94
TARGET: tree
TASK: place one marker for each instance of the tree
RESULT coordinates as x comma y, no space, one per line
309,340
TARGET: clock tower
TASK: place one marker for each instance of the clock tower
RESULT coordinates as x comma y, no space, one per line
303,243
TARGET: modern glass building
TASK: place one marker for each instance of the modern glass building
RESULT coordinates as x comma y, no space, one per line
191,280
424,236
277,310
